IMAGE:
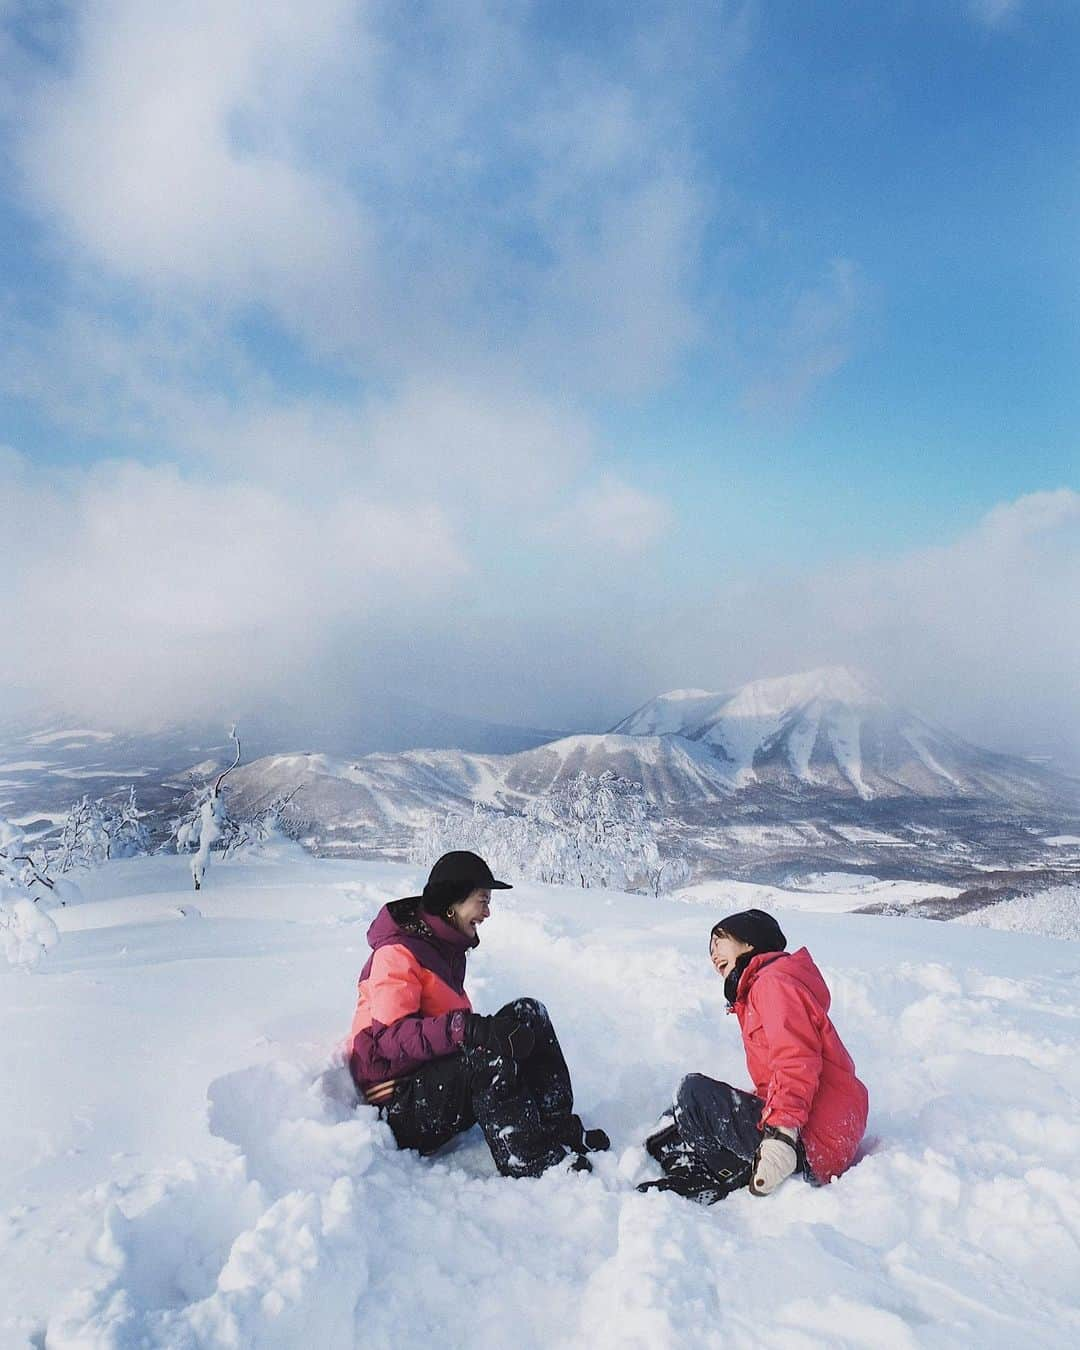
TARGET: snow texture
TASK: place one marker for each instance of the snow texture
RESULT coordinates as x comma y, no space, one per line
187,1166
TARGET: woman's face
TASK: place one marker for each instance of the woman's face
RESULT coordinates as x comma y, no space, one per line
468,913
724,952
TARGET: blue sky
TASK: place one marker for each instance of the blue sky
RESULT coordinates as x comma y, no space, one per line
605,324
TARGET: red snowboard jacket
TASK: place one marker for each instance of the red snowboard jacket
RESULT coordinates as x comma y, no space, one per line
797,1061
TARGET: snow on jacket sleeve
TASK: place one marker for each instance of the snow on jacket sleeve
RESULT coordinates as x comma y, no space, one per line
402,1037
789,1019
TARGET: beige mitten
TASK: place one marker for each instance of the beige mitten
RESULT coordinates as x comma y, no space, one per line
775,1160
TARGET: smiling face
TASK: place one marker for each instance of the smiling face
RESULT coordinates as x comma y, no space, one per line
724,951
468,913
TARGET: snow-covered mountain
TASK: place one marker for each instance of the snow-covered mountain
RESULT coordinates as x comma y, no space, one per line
827,729
48,758
377,797
824,734
814,770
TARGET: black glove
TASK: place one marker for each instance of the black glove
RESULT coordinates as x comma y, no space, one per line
498,1036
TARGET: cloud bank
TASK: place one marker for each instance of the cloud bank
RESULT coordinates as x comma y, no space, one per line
980,631
333,293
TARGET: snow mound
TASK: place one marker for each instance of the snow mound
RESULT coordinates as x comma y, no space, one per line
1054,912
195,1171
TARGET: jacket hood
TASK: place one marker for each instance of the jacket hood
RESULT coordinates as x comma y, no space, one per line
402,921
797,965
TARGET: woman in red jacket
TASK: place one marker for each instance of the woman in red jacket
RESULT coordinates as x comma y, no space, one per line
430,1064
807,1113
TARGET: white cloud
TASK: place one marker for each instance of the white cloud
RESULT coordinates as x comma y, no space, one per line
612,515
139,155
994,13
491,447
980,631
814,341
398,189
136,591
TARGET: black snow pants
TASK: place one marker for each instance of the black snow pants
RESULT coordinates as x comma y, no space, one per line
524,1107
716,1128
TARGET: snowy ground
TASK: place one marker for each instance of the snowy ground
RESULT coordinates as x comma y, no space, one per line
185,1166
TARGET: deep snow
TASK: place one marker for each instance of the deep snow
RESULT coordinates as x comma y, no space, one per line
185,1164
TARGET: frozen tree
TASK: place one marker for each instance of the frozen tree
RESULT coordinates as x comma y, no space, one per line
605,828
126,827
507,842
207,823
668,874
84,841
99,829
587,831
269,827
26,930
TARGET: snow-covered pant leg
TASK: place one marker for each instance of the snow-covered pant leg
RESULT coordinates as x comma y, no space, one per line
525,1106
450,1094
544,1071
431,1105
719,1124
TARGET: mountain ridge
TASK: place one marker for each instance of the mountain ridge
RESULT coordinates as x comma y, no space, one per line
802,773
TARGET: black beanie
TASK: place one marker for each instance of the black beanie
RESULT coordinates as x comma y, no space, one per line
754,927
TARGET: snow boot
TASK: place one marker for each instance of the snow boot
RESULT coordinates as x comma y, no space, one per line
665,1139
686,1174
699,1188
575,1136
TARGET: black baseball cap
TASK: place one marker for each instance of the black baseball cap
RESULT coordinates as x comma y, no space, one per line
462,868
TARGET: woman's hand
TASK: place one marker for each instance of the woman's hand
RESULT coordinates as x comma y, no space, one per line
774,1161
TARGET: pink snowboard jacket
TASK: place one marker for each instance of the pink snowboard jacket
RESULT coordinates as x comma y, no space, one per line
798,1062
411,994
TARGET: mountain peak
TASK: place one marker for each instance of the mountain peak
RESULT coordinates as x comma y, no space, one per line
797,719
781,694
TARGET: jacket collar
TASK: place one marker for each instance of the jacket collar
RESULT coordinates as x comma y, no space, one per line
443,931
745,971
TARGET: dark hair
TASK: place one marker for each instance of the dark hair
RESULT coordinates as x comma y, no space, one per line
438,896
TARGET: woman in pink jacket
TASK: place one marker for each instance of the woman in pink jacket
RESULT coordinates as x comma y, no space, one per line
807,1113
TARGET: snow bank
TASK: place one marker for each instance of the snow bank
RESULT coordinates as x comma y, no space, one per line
1054,912
820,892
192,1170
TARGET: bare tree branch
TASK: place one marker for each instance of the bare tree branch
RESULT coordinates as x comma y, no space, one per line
234,737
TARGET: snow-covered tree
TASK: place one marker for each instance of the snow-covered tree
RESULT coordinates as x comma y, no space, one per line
26,930
126,827
605,828
207,822
84,841
100,829
587,831
668,874
268,828
507,842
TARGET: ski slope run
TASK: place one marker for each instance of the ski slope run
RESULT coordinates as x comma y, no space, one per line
185,1165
